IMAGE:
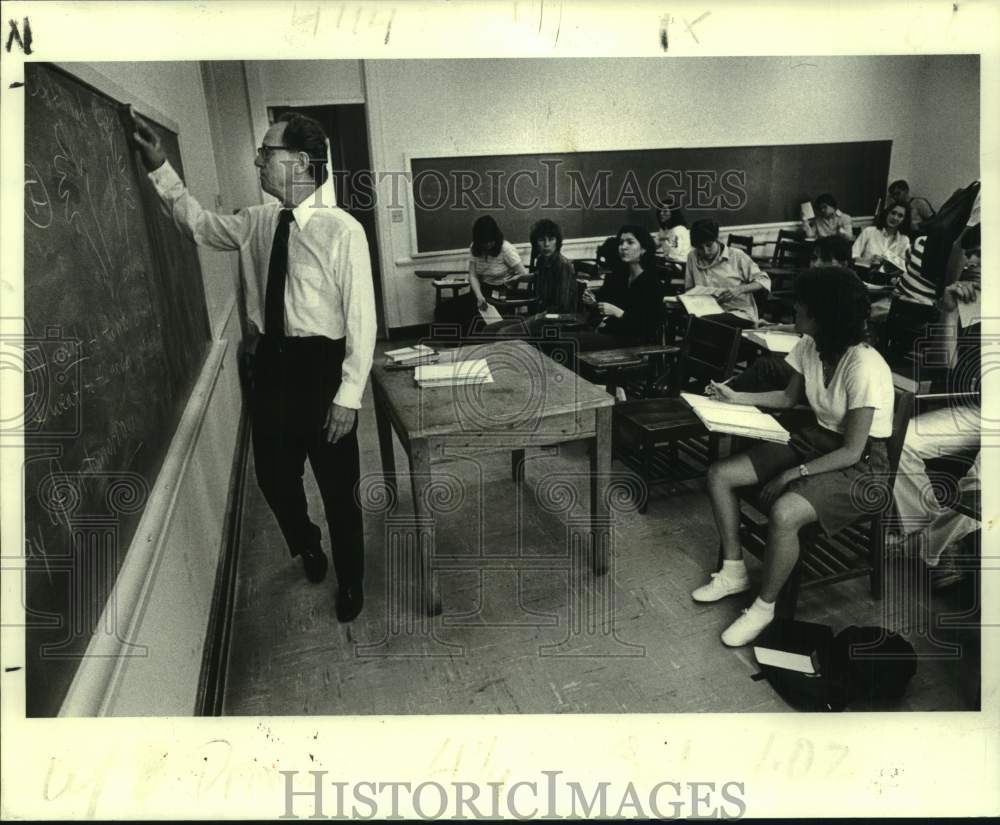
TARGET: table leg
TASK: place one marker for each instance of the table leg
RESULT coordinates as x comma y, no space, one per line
517,466
384,428
420,474
600,471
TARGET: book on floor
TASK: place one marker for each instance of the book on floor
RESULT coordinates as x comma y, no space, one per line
793,645
736,419
454,374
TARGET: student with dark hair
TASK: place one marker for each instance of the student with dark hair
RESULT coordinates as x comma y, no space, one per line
885,243
817,475
730,273
555,278
920,209
828,220
629,305
673,237
494,264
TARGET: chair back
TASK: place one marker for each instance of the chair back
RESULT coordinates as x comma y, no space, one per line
585,267
789,250
708,353
742,242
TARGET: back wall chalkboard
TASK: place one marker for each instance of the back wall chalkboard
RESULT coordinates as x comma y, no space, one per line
116,330
590,194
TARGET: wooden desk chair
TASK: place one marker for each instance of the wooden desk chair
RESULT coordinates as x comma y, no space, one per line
635,368
855,551
458,278
742,242
643,427
790,252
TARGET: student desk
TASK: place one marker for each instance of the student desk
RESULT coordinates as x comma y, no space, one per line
532,402
453,281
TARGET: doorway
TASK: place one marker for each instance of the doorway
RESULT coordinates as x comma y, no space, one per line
345,125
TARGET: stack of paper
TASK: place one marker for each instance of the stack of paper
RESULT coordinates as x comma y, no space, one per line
736,419
456,374
412,355
772,340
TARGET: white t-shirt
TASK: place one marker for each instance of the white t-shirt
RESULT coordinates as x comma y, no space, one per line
862,379
674,243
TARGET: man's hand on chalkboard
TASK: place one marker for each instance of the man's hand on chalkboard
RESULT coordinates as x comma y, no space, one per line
339,422
153,156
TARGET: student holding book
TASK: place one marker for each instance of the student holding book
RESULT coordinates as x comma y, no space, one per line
827,220
673,237
730,273
817,475
884,245
494,264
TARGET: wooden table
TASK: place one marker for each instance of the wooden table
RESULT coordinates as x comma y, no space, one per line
532,402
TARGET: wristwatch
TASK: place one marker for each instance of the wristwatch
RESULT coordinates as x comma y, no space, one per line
803,471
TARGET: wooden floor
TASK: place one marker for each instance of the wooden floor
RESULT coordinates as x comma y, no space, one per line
529,633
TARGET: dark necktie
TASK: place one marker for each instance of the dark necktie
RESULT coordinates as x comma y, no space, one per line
277,272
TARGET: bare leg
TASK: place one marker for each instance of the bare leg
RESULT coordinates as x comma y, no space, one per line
723,479
790,513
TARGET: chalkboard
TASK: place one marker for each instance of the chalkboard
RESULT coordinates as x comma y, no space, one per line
591,194
116,329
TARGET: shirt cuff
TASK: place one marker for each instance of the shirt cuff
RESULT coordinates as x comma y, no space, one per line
165,179
349,395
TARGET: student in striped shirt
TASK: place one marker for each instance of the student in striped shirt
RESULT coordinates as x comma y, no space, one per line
494,264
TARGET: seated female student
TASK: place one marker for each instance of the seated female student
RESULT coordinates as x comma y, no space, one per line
555,284
829,219
883,247
730,274
673,238
493,265
920,209
815,477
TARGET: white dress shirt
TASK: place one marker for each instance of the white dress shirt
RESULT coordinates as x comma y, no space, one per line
329,289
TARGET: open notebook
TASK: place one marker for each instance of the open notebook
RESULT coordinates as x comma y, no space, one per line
700,301
736,419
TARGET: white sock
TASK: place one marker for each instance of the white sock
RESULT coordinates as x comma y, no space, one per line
734,569
762,606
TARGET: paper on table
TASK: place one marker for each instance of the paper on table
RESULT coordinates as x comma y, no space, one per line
773,340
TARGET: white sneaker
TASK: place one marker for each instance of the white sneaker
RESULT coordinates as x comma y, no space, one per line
746,628
719,587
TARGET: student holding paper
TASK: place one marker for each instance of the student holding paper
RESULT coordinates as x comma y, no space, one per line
493,265
673,237
817,475
828,220
887,242
731,274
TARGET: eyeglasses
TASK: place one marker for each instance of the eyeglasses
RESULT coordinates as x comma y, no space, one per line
264,151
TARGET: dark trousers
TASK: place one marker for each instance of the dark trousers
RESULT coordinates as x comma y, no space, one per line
294,383
906,323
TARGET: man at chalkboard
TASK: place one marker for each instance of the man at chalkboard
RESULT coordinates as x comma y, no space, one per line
311,309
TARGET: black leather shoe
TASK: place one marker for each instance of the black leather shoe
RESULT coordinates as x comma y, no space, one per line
315,564
350,600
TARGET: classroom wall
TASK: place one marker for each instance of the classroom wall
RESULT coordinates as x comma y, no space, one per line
945,153
428,107
172,614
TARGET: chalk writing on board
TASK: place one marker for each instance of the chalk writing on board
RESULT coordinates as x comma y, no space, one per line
37,204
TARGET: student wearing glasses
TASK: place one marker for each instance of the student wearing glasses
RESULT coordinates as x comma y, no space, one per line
310,306
818,475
